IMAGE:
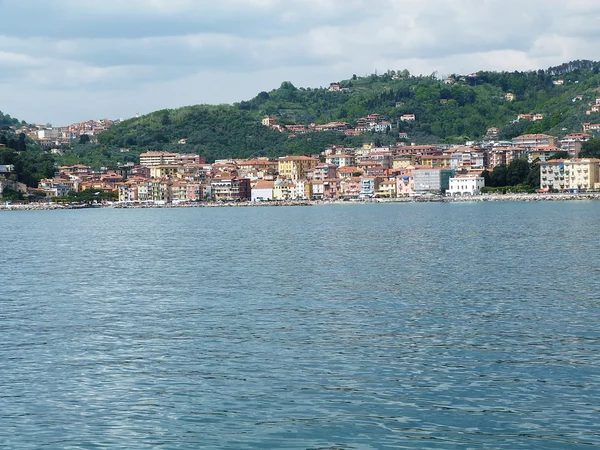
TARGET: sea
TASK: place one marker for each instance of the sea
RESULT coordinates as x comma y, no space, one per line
352,326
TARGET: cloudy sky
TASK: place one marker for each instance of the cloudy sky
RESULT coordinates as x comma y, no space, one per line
63,61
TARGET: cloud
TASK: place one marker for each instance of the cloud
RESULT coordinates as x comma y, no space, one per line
161,53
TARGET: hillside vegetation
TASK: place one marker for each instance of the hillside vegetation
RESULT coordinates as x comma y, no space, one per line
31,163
447,112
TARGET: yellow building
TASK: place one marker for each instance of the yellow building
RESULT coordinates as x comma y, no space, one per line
438,161
282,190
387,189
295,167
403,161
163,171
581,174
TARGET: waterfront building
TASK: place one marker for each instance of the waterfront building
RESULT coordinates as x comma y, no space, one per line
465,186
332,188
179,191
230,189
386,189
282,190
300,190
316,190
368,187
405,186
262,190
194,192
552,175
432,181
323,171
128,192
581,174
350,187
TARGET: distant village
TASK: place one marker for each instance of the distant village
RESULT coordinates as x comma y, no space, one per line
53,138
401,170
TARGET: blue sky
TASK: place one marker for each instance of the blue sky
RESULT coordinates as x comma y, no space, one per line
63,61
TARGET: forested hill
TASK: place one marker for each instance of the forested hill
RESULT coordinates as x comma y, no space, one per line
31,163
451,110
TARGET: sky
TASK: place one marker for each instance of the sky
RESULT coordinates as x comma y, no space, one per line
64,61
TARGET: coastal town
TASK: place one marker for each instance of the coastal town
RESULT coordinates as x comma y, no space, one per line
402,170
337,173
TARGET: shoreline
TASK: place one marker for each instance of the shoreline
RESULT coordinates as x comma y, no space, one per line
420,199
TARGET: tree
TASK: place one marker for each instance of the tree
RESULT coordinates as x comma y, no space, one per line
590,149
21,146
84,139
486,178
517,172
10,195
533,179
498,176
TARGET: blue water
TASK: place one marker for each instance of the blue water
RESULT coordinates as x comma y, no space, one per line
326,327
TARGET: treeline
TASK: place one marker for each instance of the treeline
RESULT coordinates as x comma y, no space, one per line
8,121
31,164
518,173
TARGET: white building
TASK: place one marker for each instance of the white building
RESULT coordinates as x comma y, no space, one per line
299,190
340,160
48,133
150,159
262,191
465,186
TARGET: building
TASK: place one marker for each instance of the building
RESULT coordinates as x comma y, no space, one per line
368,187
230,189
436,161
502,155
465,186
269,121
581,174
163,171
48,133
534,140
323,171
387,189
552,175
296,167
573,142
157,159
262,190
492,133
408,118
432,181
591,127
340,160
405,186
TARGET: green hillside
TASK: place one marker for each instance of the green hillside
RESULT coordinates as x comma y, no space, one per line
445,112
31,163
